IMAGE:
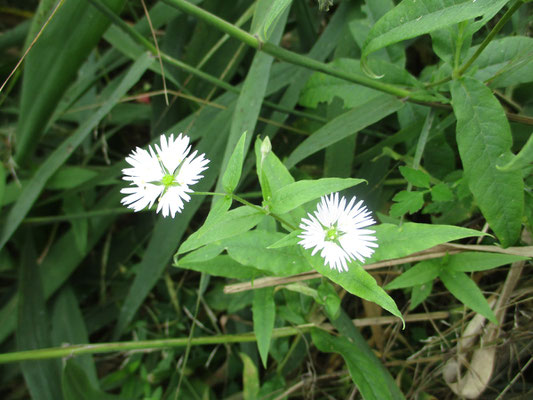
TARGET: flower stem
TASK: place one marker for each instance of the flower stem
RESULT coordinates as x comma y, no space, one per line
147,345
247,203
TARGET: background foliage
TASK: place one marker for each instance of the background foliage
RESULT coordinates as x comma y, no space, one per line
428,102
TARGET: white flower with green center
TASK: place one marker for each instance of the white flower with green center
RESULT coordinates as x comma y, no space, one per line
338,231
165,174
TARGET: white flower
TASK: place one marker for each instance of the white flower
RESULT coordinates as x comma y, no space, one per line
338,230
165,174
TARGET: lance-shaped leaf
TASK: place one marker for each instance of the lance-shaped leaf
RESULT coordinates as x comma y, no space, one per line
412,18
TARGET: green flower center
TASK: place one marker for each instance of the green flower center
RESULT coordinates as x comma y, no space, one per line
332,234
168,180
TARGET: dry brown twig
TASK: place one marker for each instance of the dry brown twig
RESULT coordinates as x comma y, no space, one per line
435,252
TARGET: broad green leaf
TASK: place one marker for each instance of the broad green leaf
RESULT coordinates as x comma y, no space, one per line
290,239
478,261
232,223
368,376
523,159
412,18
441,192
273,14
49,68
465,290
505,62
222,265
251,248
201,254
345,125
322,87
232,175
42,377
295,194
400,241
421,273
250,378
406,202
483,137
415,177
356,281
264,316
420,293
59,156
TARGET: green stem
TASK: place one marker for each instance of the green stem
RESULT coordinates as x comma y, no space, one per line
79,349
247,203
506,17
140,39
286,55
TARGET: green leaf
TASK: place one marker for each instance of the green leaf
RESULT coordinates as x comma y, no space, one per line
80,226
290,239
465,290
415,177
61,261
251,248
479,261
232,175
69,176
505,62
523,159
412,18
69,327
222,265
59,156
364,369
419,294
42,377
356,281
406,202
232,223
250,378
295,194
400,241
483,137
345,125
272,174
273,14
421,273
322,87
76,385
49,68
441,192
253,89
2,183
264,315
330,299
